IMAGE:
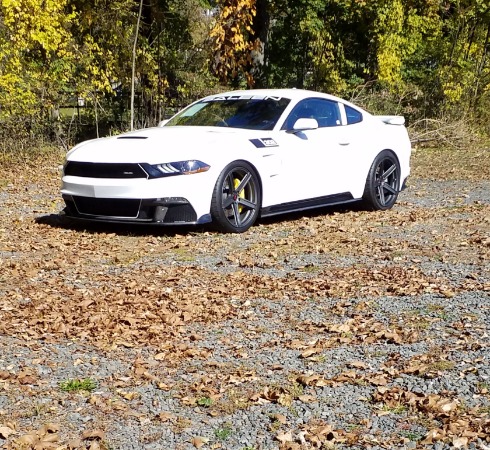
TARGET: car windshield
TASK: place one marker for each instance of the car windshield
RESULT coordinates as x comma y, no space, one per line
247,112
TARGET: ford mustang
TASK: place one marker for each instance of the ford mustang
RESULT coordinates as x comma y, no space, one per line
234,157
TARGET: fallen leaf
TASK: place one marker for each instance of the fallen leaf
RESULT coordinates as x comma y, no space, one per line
310,352
358,365
285,437
460,442
166,416
199,442
95,434
306,398
5,432
4,375
280,418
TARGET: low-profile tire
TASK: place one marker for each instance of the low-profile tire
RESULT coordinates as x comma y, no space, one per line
237,197
383,182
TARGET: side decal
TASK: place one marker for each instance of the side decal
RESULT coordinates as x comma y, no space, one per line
264,142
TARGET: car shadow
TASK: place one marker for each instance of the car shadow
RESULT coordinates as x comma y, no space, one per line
59,221
314,212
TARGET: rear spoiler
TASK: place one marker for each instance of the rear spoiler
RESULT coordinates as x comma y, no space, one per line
392,120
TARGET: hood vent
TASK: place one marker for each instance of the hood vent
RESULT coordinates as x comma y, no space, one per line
133,137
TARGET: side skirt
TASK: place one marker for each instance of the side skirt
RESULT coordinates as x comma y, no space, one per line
303,205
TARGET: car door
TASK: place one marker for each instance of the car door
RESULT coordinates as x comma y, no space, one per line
315,162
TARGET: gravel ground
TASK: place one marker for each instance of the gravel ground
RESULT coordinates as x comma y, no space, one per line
324,359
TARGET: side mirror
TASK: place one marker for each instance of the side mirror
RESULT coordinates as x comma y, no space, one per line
304,124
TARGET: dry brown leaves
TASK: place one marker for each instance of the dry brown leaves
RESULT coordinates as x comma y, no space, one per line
458,425
47,438
147,304
145,289
452,164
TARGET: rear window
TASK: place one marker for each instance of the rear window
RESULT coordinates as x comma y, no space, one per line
353,115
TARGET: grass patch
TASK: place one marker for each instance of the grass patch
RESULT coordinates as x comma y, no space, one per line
310,268
415,319
76,385
483,387
484,410
235,400
180,424
412,435
205,402
399,408
437,310
224,432
183,255
441,366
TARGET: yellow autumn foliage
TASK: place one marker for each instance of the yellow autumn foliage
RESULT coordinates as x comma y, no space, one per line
233,40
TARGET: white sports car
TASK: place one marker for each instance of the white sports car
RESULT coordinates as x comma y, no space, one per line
234,157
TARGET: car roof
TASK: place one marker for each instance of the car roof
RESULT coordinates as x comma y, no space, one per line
288,93
293,94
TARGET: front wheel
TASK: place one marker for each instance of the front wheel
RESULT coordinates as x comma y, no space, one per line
383,182
236,198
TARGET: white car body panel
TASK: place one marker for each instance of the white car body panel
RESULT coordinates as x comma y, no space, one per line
292,166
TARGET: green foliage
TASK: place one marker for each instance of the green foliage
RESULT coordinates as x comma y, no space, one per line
425,57
224,432
78,385
205,402
33,47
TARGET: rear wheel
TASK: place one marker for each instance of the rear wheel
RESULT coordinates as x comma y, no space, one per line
236,198
383,182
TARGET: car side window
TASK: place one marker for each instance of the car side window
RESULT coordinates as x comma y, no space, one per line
353,115
326,113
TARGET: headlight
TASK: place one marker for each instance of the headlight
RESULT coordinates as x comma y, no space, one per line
175,168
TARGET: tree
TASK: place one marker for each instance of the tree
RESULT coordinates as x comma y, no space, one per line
54,51
35,54
233,41
465,71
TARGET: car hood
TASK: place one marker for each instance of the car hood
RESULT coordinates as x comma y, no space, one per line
164,144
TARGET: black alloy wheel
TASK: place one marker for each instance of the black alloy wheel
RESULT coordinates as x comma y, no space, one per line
383,182
237,196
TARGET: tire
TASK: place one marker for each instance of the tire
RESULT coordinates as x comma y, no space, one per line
383,182
237,197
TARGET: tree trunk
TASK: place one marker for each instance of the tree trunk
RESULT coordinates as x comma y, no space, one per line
261,26
133,74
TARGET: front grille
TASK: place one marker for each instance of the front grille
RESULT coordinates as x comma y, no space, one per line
104,170
109,207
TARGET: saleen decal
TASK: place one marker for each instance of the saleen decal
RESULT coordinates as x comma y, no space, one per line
264,142
221,98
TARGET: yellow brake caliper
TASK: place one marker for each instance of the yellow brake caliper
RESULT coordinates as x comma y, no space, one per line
241,194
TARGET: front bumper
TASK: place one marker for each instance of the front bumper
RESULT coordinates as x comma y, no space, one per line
155,211
167,201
